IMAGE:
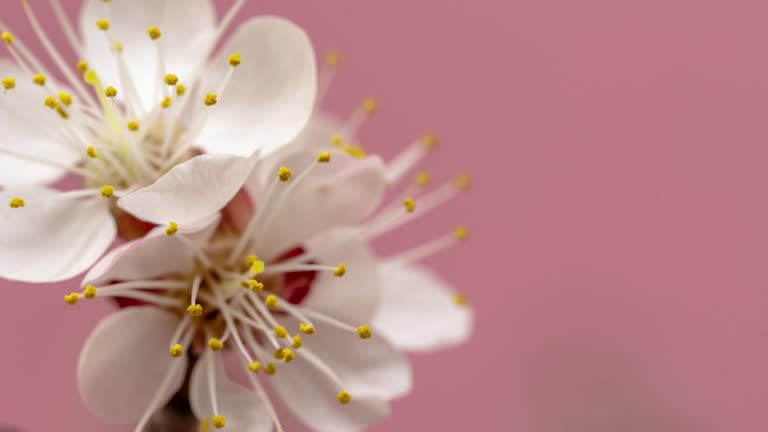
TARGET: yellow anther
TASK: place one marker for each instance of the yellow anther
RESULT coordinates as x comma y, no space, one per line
255,286
118,46
65,98
91,77
271,301
82,66
176,350
171,79
51,103
461,233
215,344
63,114
307,329
270,369
340,270
354,151
429,140
16,202
288,355
154,33
195,310
91,152
39,79
332,58
278,354
324,157
9,83
422,179
459,300
107,191
370,105
102,24
254,366
297,342
172,229
234,59
7,37
462,182
211,99
166,102
110,92
337,140
284,174
409,204
281,331
218,421
251,259
72,298
344,397
133,125
364,332
257,267
180,89
89,292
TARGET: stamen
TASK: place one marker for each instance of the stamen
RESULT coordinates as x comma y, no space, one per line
344,397
176,350
72,298
172,229
195,289
410,156
260,390
364,332
195,310
16,202
9,83
89,292
215,344
107,191
66,26
39,79
432,247
367,108
102,24
409,205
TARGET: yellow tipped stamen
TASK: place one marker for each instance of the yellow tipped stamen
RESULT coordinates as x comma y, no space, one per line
278,354
337,140
288,355
133,125
166,102
110,92
332,58
63,114
429,140
118,46
102,24
409,204
370,105
459,300
344,397
284,174
172,229
16,202
364,332
9,83
176,350
211,99
39,79
251,259
423,179
257,267
297,342
154,33
340,270
91,77
89,292
7,37
91,152
255,286
181,89
234,59
65,98
324,157
107,191
271,301
82,66
171,79
281,331
71,299
215,344
254,366
195,310
461,233
462,182
218,421
270,369
307,329
51,103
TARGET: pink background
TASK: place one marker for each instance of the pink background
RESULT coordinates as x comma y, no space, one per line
617,259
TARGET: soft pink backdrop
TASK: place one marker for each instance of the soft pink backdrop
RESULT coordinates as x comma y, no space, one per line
617,259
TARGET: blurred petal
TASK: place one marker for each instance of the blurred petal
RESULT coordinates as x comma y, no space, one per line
271,94
52,238
124,360
417,310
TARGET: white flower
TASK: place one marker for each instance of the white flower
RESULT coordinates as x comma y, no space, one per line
296,310
150,95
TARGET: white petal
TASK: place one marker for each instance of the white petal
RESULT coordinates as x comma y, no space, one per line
272,93
124,360
354,297
187,28
30,128
417,309
155,254
242,408
190,192
311,397
52,238
342,192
